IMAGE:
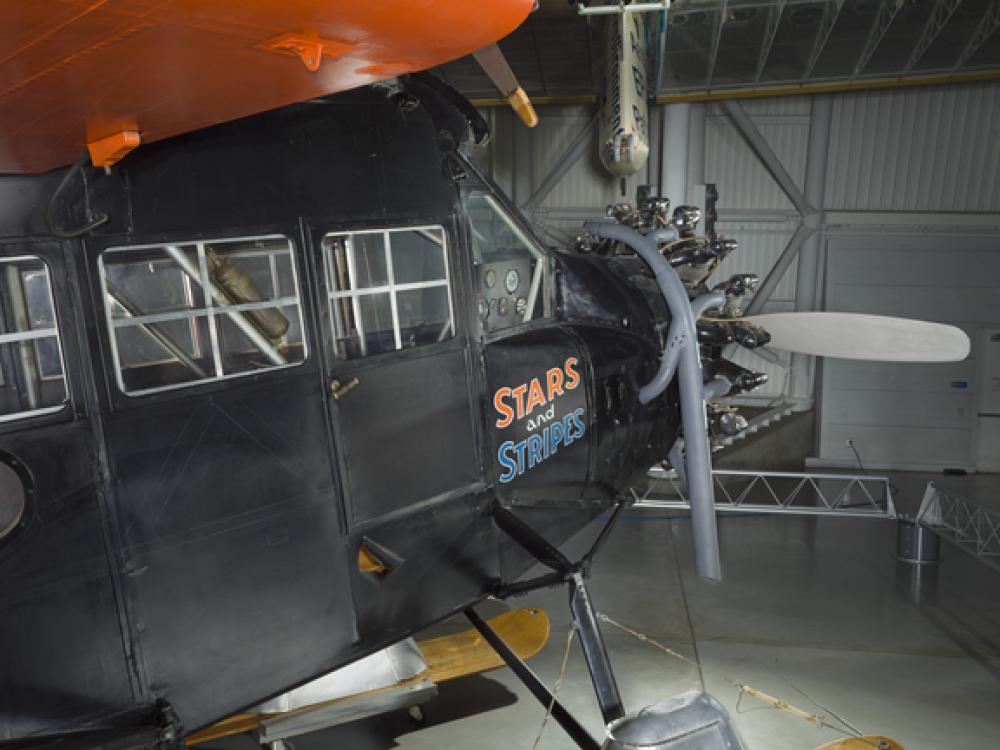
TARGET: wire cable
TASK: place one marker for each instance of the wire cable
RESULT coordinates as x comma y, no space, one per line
69,234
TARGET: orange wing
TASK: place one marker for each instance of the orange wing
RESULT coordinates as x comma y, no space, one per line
113,73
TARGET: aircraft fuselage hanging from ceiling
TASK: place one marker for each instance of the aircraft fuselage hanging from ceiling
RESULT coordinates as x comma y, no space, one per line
624,119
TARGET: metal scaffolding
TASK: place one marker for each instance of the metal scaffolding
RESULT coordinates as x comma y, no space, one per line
793,493
963,522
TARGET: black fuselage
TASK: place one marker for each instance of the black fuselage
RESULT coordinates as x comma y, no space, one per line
195,548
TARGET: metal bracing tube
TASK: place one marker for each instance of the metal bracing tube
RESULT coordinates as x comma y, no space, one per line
719,387
706,302
668,362
26,349
154,331
767,156
676,458
676,338
248,328
565,719
699,460
608,10
767,287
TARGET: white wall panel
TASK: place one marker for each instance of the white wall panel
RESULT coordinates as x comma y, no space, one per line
907,415
916,149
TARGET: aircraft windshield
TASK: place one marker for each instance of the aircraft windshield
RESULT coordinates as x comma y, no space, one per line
510,268
31,367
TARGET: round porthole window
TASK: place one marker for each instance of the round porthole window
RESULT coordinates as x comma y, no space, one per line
13,500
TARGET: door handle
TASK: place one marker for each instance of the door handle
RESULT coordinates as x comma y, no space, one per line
339,389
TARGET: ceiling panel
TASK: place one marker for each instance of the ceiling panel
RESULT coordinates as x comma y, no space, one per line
557,52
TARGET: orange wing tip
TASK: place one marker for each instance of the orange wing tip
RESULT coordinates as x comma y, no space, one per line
310,49
521,104
108,151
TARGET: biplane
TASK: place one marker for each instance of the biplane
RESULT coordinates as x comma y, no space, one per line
283,373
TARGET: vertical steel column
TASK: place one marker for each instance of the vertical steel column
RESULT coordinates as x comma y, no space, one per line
809,269
675,123
696,150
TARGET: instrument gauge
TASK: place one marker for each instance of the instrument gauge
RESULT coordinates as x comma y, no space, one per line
484,309
521,306
503,306
512,281
490,278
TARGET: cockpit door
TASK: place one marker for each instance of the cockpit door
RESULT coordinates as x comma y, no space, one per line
399,365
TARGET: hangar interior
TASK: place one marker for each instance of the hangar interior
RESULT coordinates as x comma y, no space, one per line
816,610
903,178
842,153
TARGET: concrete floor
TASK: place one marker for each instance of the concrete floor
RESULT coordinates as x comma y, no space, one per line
810,610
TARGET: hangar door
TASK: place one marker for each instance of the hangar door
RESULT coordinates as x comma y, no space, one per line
908,416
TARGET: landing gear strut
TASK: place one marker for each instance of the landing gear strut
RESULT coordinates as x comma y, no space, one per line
658,726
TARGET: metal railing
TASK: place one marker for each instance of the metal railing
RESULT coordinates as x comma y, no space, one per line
793,493
966,524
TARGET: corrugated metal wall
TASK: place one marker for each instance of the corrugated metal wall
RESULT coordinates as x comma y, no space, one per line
920,149
742,180
913,149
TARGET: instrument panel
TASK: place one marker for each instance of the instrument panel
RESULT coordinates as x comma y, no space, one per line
502,294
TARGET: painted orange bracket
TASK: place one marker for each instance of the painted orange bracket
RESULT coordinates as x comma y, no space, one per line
107,151
309,49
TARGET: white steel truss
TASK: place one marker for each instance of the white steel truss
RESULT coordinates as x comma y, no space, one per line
793,493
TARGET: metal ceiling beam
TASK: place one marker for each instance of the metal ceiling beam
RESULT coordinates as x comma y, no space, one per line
716,39
773,20
576,148
777,89
887,11
830,15
942,13
989,24
767,156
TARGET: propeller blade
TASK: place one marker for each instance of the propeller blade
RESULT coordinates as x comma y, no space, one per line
495,65
877,338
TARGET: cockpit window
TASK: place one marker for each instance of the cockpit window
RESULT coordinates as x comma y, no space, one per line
389,289
32,379
510,269
189,313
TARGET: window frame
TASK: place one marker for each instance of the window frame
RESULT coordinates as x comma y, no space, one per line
210,311
485,185
391,288
34,335
541,256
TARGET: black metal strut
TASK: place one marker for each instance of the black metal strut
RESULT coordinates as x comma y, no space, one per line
584,616
573,728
